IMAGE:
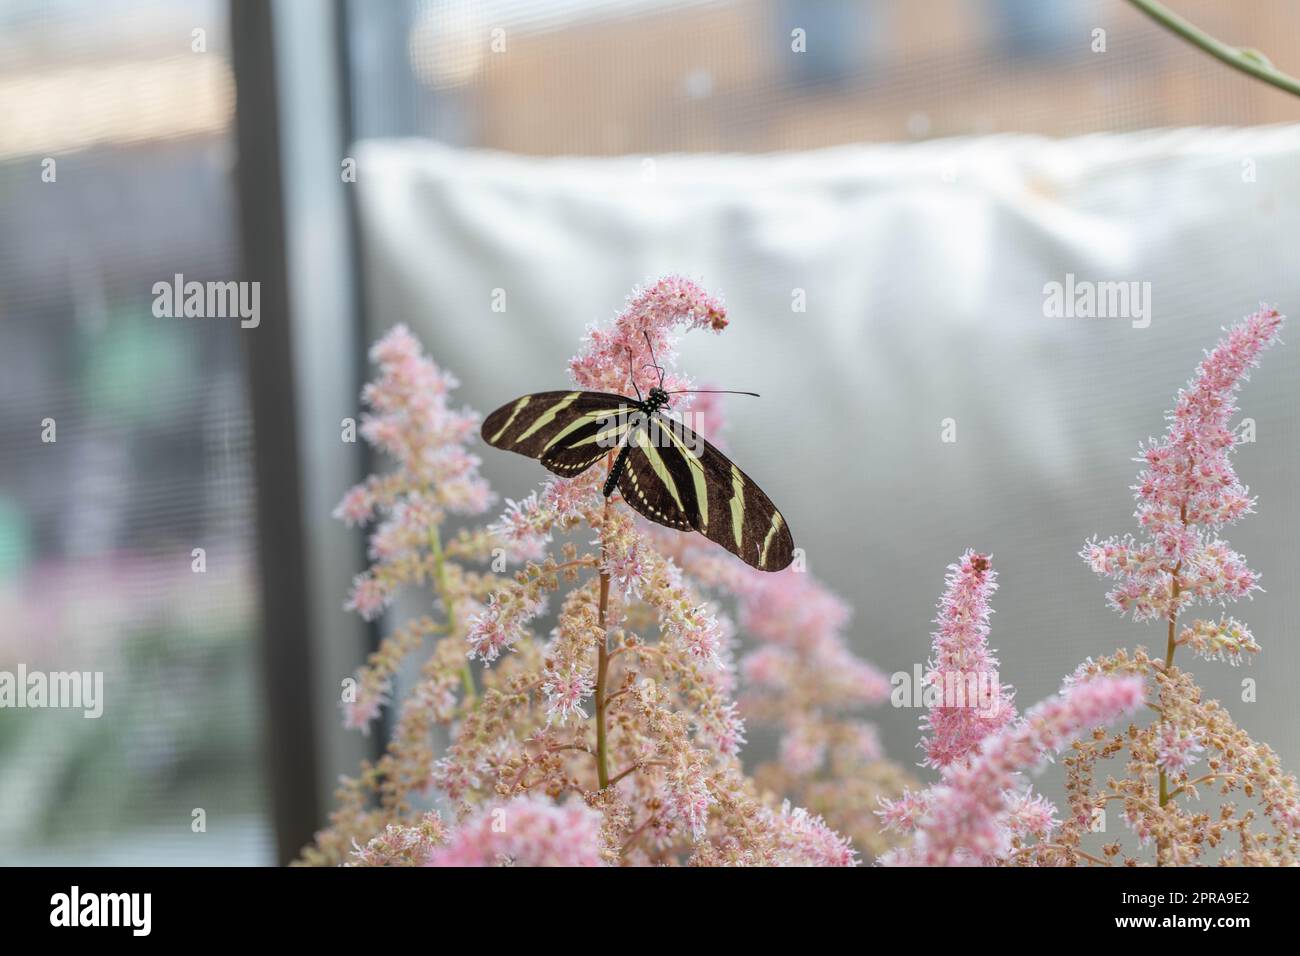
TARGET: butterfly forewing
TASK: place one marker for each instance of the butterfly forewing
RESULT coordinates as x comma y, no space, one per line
568,432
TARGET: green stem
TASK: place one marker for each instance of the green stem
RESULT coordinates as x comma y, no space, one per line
1170,646
1250,62
602,662
440,583
602,672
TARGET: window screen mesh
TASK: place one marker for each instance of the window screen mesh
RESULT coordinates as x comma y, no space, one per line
559,77
116,158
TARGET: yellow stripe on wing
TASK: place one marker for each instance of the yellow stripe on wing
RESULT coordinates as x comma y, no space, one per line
777,521
548,416
519,405
737,505
697,473
657,463
579,422
612,437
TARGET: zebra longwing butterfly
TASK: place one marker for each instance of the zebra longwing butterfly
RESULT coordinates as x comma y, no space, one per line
663,469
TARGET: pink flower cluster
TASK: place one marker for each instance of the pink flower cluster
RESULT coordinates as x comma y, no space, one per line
525,831
1188,491
614,738
970,816
645,334
962,679
501,624
1177,749
410,420
982,803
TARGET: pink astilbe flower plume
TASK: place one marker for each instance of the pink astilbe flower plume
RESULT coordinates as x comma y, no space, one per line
982,811
802,679
648,323
1188,491
411,420
969,700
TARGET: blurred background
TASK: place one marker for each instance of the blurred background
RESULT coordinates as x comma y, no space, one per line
881,209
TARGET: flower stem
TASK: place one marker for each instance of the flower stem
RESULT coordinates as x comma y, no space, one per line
1172,644
440,585
1251,62
602,663
1170,647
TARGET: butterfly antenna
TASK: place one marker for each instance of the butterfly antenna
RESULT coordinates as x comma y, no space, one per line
654,360
711,391
631,374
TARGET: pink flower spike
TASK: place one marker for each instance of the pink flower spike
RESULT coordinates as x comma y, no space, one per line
962,678
410,420
614,357
1188,491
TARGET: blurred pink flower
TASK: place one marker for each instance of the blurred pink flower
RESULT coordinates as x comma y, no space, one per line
370,596
357,506
792,609
803,749
811,842
359,714
526,831
409,419
1030,814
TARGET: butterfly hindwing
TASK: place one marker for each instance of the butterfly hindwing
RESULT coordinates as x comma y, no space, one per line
673,473
657,481
568,432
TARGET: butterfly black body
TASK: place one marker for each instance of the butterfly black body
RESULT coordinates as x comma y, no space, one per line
663,469
656,400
